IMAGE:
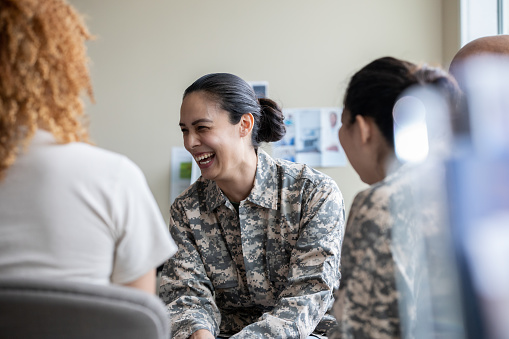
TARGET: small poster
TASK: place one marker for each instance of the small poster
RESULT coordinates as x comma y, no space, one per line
312,137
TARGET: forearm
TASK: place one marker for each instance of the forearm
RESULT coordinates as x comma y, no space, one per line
191,306
269,327
186,324
146,282
293,317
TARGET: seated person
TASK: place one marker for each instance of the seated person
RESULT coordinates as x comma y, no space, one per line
482,303
68,210
366,304
259,238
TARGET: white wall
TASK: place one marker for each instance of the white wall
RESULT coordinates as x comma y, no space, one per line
147,52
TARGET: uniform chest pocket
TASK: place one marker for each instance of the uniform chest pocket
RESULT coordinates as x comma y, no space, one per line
218,263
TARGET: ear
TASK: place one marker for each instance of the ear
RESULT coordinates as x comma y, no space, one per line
246,124
365,128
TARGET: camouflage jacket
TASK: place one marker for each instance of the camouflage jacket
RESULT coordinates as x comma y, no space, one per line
268,272
366,303
396,279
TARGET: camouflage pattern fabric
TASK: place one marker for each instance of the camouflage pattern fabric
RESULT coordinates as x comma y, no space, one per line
268,272
366,304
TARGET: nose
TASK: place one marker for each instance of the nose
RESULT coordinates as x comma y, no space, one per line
191,140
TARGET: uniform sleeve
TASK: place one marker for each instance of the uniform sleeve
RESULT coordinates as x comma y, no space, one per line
185,287
142,238
353,251
366,302
314,269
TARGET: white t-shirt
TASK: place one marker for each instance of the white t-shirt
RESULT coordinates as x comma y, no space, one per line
80,213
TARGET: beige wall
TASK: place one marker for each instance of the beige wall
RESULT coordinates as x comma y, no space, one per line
451,26
148,52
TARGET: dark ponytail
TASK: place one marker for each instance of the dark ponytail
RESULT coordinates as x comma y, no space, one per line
236,97
272,126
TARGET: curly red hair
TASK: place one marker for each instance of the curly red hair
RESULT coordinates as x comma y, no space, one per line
43,70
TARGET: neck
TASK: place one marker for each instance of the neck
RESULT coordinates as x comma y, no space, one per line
385,159
239,187
392,164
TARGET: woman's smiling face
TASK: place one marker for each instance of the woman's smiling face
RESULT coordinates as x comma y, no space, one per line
210,137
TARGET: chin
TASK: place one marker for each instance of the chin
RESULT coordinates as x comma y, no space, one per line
368,179
209,175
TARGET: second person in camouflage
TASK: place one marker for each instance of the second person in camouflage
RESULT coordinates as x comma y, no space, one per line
259,238
383,269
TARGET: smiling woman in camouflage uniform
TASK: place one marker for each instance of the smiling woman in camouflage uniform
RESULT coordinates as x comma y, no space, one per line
259,238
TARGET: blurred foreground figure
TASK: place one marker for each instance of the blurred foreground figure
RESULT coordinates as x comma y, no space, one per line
478,179
68,210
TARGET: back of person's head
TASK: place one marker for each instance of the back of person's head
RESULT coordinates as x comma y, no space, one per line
237,97
478,57
374,90
488,45
490,48
43,70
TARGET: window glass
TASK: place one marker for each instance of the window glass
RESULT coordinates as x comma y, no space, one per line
505,16
478,18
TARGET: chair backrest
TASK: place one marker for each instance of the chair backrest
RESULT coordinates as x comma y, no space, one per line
52,309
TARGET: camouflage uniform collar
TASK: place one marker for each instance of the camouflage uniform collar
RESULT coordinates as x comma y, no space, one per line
214,196
264,189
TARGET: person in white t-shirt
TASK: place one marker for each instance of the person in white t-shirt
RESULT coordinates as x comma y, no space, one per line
68,210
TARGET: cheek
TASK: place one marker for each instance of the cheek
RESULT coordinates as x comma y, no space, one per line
187,142
185,139
345,138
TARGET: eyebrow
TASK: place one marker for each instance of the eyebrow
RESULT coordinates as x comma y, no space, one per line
196,122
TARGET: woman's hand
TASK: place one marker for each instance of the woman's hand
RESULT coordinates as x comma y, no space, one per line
202,334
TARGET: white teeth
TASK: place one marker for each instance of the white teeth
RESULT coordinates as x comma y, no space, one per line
204,156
